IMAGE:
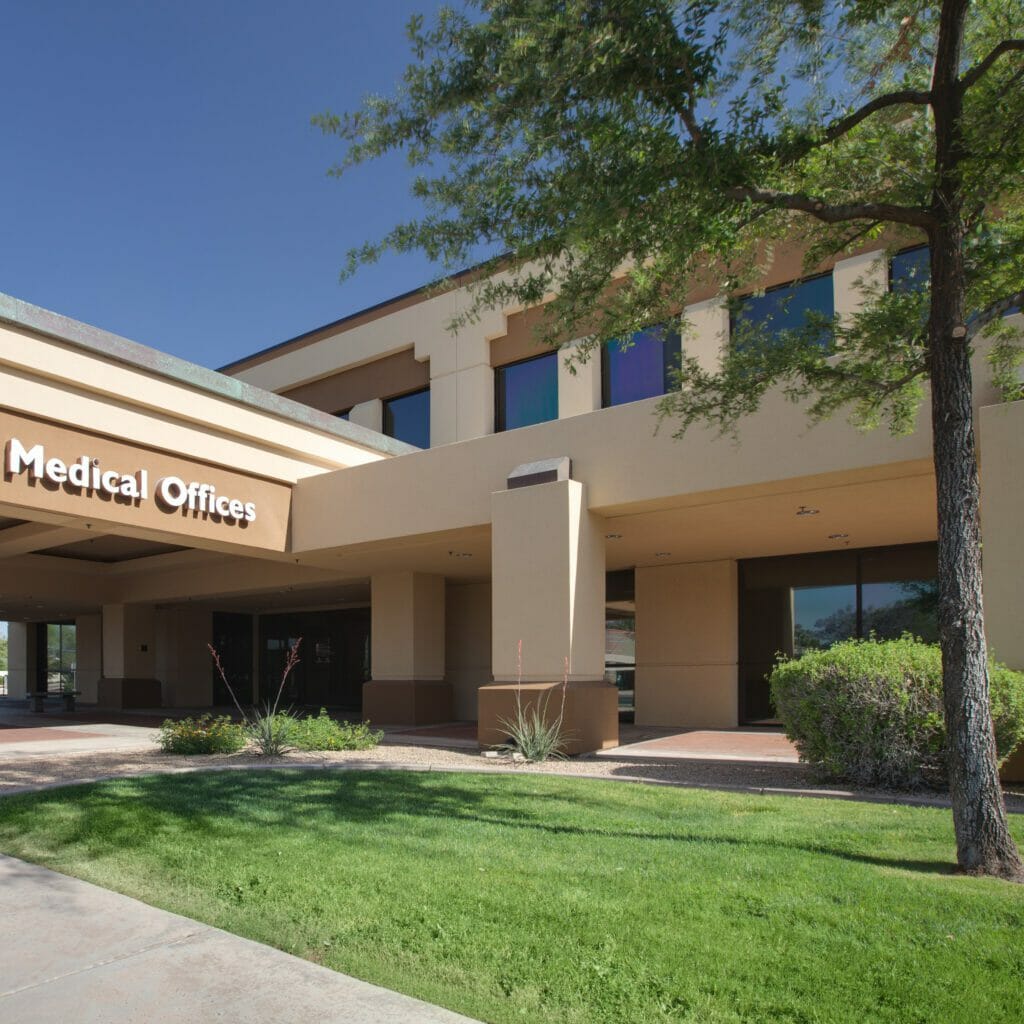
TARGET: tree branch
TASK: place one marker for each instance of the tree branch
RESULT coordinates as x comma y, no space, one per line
912,97
971,75
981,320
833,214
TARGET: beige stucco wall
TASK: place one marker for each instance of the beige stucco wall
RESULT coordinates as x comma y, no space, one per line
686,645
20,658
129,641
467,644
407,626
89,656
547,565
1002,505
183,663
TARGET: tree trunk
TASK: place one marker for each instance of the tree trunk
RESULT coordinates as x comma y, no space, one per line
984,844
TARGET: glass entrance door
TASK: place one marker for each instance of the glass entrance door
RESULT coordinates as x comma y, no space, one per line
334,657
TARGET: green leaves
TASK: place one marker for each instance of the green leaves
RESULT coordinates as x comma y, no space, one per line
668,146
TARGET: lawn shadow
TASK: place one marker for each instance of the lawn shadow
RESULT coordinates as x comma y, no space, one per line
130,813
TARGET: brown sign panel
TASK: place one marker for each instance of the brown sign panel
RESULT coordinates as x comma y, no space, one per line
52,468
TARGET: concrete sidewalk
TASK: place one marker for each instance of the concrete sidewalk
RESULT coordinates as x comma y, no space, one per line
76,952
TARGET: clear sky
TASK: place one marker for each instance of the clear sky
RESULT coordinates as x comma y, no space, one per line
159,177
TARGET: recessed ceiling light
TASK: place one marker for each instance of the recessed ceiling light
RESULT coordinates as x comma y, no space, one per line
613,536
662,554
460,554
838,536
803,510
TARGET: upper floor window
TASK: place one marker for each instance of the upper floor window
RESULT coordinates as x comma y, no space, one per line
785,307
526,392
344,414
642,370
909,270
407,418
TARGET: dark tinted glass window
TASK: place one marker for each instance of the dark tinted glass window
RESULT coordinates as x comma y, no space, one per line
407,418
642,370
909,269
344,415
786,308
526,392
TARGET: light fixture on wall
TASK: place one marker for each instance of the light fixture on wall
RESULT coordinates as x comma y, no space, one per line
838,536
662,554
803,510
613,536
460,554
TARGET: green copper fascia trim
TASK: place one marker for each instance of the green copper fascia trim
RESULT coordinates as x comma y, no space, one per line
19,313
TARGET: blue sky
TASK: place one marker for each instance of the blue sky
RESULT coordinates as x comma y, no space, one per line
159,177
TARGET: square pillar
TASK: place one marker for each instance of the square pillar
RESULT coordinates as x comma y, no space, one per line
856,279
1001,443
547,560
368,414
407,637
705,331
21,659
687,643
129,658
579,387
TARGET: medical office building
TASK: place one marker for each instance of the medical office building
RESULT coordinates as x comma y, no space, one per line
436,516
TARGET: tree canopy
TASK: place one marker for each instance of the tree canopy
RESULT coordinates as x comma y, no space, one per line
614,157
674,145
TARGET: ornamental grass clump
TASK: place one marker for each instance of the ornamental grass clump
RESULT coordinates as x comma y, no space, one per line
321,732
269,729
869,712
533,734
203,735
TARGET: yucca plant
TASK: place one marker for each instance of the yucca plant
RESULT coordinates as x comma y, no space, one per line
532,733
271,728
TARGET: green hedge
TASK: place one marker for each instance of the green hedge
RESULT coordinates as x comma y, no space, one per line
870,712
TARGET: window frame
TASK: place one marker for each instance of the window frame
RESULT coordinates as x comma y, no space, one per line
671,333
500,410
387,416
796,281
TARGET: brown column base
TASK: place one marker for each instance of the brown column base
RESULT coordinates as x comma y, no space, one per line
1013,767
590,720
407,701
129,693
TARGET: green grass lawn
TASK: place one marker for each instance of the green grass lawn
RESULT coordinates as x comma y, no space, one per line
537,898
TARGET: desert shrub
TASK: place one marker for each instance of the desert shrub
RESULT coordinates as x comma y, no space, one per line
533,734
321,732
272,731
203,735
870,712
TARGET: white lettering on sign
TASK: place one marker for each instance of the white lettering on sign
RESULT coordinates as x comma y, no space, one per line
86,474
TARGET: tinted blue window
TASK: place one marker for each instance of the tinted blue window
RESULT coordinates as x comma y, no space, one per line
343,415
641,371
909,270
786,308
408,418
526,392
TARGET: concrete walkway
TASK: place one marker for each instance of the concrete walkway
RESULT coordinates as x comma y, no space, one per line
75,952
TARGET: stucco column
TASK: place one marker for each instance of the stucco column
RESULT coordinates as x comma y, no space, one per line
461,381
547,564
687,642
706,332
368,414
129,658
21,659
88,656
1001,444
407,651
856,279
579,385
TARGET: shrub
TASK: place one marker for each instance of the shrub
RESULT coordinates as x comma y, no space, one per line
203,735
532,733
271,731
870,712
321,732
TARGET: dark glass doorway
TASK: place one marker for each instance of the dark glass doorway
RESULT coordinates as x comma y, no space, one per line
232,639
334,657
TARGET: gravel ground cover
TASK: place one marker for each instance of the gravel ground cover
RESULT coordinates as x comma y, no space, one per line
34,771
